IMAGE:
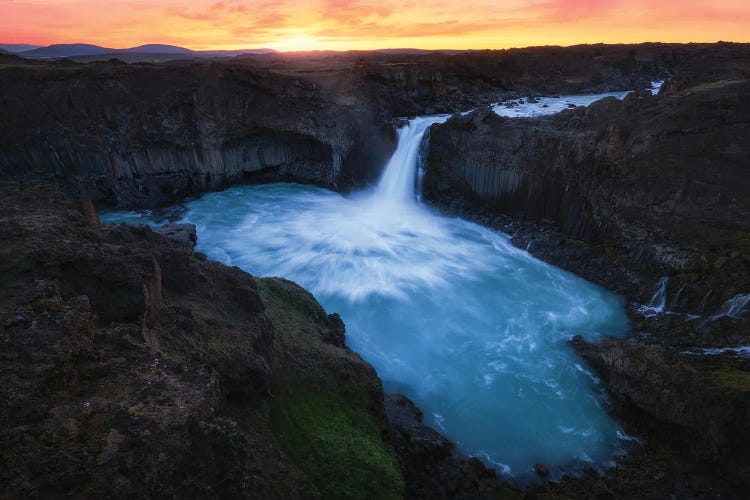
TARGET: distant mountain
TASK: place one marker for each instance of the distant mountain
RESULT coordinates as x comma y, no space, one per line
89,51
157,48
67,50
14,48
404,51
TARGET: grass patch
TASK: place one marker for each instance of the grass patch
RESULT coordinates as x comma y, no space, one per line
291,307
711,86
337,444
733,378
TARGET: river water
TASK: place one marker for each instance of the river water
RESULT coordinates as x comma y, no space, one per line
451,314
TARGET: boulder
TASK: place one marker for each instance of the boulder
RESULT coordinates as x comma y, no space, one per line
183,236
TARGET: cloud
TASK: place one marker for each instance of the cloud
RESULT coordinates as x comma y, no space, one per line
372,23
573,10
352,10
217,11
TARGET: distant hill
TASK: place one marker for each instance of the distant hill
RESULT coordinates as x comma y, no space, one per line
11,59
159,51
14,48
157,48
67,50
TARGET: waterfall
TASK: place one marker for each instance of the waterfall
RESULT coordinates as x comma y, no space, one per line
447,311
658,302
397,183
674,303
704,301
736,307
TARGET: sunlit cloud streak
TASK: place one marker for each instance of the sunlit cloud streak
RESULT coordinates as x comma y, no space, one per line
363,24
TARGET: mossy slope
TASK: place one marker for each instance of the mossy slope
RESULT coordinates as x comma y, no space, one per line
327,409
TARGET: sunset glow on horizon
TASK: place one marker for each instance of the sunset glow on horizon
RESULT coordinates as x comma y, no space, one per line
370,24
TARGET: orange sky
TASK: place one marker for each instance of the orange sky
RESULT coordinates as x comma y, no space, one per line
367,24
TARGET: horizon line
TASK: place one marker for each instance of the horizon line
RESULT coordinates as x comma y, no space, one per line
415,48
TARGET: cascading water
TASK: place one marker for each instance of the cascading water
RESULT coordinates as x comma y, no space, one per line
737,307
398,180
450,313
658,303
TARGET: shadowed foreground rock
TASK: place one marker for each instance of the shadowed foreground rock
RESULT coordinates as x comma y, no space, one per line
131,368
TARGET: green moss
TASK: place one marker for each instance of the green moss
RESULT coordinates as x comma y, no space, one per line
711,86
324,424
290,306
337,444
733,378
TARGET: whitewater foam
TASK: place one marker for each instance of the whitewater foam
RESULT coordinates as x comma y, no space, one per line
531,107
450,313
473,329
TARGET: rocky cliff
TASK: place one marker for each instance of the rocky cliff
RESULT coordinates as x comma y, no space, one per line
650,197
132,365
142,135
130,362
647,187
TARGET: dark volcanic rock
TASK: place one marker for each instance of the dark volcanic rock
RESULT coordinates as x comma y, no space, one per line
698,404
182,235
647,187
129,367
699,396
541,470
131,364
424,442
624,193
142,135
431,468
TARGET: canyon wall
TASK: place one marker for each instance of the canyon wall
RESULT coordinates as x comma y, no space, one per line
657,184
157,175
143,135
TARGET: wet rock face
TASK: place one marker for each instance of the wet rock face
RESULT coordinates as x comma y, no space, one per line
130,364
699,404
184,236
658,185
431,467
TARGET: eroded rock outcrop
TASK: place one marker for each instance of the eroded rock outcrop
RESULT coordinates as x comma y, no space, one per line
131,366
143,135
646,187
700,405
431,466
